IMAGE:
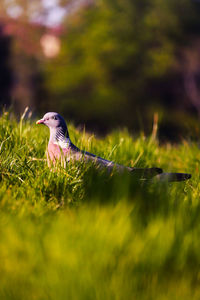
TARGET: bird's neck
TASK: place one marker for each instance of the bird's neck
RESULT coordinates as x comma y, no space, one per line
60,137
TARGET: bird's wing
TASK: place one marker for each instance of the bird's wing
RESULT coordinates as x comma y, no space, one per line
146,173
142,173
153,173
77,154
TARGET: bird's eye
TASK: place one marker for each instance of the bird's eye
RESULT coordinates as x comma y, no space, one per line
54,118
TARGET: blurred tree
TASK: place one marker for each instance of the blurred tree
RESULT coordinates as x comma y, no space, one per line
119,60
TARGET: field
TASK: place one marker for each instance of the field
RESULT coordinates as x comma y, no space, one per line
76,233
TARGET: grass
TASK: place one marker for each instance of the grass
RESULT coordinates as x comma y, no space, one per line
80,234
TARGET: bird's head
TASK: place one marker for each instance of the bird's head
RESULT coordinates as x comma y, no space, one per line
55,122
52,120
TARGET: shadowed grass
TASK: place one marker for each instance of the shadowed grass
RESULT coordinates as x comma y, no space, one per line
79,233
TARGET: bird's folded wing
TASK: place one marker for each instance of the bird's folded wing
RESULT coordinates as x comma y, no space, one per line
142,173
146,173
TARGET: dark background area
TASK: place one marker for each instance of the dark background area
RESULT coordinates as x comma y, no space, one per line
104,64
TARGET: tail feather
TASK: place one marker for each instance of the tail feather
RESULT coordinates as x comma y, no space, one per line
157,174
171,177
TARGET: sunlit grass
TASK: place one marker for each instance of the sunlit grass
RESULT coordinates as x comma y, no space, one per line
80,234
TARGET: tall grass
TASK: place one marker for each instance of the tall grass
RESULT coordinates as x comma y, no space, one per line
80,234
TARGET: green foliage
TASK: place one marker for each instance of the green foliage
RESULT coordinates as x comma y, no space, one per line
119,58
80,234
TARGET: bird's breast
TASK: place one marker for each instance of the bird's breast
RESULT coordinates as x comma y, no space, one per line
55,152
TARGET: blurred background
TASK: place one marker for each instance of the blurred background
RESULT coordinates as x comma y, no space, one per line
104,64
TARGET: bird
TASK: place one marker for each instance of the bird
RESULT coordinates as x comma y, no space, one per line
60,147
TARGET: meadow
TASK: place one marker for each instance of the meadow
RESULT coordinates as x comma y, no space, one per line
77,233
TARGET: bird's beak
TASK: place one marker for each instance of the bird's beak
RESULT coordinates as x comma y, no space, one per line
40,121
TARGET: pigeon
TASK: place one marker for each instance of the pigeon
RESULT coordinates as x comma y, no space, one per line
60,147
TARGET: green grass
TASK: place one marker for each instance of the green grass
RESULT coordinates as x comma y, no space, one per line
80,234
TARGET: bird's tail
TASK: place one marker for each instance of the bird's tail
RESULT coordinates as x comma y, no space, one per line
171,177
157,174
